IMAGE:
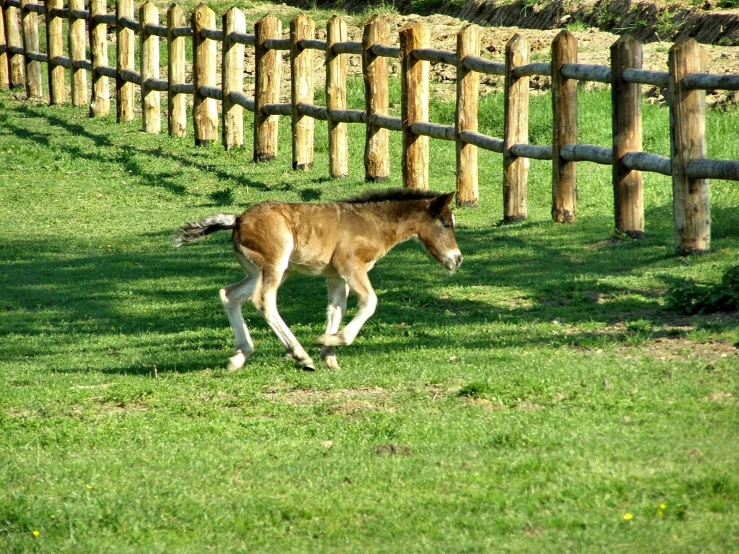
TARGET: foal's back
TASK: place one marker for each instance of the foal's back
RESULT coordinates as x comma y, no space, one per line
312,238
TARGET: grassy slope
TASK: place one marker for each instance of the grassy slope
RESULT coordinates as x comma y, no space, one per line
526,403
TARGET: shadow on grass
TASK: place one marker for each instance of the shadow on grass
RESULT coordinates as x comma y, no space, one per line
526,274
138,161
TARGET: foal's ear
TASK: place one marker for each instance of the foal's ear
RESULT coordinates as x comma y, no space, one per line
440,202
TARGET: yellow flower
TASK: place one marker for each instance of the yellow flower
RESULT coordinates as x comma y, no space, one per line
662,506
88,487
36,532
628,516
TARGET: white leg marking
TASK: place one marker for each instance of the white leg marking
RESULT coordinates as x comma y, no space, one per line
338,291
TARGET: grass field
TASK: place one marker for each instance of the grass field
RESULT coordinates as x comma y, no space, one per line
540,399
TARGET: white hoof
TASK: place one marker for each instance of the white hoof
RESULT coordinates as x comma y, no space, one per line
236,361
331,363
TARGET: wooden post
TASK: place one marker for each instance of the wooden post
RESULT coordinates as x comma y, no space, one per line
564,126
31,45
77,47
124,60
204,110
267,66
149,63
338,139
628,185
468,91
301,65
176,102
4,77
414,105
232,79
374,70
100,102
516,131
17,74
690,199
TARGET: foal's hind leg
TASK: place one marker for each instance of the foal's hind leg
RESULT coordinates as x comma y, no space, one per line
232,298
265,300
337,293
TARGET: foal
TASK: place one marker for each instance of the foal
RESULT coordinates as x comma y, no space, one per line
339,240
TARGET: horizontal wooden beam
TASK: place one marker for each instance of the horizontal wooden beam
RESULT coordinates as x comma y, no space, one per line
215,93
645,77
643,161
532,151
277,44
434,55
711,81
246,102
482,141
241,38
386,51
156,30
348,116
38,57
481,65
183,88
106,71
434,130
311,110
385,121
129,23
182,31
529,69
587,153
212,34
348,47
713,169
131,76
278,109
312,44
586,72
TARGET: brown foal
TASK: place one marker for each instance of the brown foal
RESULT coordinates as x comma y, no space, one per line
339,240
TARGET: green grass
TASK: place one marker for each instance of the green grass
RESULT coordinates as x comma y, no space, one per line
526,403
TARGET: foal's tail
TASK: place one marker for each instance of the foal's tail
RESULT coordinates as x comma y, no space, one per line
195,230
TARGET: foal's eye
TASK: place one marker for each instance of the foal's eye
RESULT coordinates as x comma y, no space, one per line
446,224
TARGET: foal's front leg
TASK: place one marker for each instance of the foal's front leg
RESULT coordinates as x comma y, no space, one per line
338,290
367,302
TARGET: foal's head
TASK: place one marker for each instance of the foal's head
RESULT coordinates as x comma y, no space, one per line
437,232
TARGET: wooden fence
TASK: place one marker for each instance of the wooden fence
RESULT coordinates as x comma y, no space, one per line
686,80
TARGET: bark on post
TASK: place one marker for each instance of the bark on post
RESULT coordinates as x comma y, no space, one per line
374,70
301,65
124,60
338,140
204,110
468,90
267,70
77,48
564,107
149,64
690,198
31,44
516,131
176,102
17,74
4,77
232,79
628,185
100,102
414,102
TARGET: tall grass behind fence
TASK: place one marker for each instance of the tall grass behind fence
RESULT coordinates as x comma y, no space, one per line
686,80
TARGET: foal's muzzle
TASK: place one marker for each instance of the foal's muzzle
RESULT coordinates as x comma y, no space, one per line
453,260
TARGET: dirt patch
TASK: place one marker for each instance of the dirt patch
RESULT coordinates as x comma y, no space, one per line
392,450
344,401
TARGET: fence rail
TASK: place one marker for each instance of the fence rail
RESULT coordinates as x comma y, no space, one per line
687,80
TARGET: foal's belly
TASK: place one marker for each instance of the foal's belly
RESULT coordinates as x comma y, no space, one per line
312,267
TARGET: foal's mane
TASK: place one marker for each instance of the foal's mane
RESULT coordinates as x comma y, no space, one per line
391,195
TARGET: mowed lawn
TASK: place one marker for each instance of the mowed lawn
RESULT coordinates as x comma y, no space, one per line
540,399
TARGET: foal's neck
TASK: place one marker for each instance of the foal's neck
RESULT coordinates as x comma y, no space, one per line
403,218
